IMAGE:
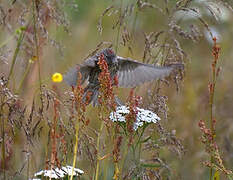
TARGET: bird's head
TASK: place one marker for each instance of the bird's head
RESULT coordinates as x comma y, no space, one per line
110,56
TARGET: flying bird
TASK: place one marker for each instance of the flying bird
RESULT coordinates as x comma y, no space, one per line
130,73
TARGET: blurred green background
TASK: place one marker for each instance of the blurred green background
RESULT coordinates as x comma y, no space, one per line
63,49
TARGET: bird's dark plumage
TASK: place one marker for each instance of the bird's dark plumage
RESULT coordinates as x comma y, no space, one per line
130,73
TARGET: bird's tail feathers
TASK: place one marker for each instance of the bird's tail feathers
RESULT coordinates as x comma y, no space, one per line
178,66
118,101
91,96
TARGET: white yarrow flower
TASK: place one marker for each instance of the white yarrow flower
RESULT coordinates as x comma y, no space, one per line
143,116
57,173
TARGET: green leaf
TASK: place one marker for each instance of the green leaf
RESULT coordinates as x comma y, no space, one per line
66,177
230,177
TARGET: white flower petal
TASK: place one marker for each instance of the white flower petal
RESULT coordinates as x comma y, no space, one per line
58,173
143,115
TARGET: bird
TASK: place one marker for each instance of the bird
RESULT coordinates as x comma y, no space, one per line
130,73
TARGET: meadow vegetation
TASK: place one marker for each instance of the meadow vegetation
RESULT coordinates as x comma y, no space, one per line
44,123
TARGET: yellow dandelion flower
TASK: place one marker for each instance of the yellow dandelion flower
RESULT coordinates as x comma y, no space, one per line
57,77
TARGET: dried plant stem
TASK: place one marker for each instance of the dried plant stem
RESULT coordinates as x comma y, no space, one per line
54,134
116,153
134,21
80,108
36,45
133,30
209,134
212,130
119,27
75,148
98,150
19,42
3,141
211,99
28,160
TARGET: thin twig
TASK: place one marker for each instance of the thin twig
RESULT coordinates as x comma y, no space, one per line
119,27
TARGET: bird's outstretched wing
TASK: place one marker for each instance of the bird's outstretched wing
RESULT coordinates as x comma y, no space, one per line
132,73
72,75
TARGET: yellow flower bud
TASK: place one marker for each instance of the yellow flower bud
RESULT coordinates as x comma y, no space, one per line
34,58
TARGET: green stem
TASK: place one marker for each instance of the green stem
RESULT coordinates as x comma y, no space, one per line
124,156
98,150
134,154
23,78
140,136
75,149
6,41
139,143
21,36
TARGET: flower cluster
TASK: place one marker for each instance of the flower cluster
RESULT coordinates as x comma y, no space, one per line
116,150
106,85
216,50
207,137
211,146
78,102
143,116
58,173
131,117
